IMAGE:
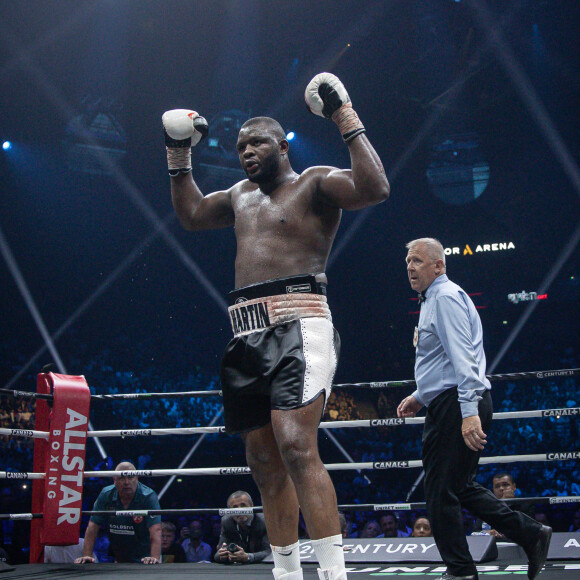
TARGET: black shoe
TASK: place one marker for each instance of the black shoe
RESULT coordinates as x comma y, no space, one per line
538,553
447,576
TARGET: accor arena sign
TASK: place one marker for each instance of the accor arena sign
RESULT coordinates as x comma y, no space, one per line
470,250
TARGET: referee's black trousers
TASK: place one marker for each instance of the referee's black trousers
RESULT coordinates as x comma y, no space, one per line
450,470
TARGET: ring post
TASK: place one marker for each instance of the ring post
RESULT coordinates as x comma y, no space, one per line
40,462
65,461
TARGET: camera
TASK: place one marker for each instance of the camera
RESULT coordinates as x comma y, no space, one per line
232,548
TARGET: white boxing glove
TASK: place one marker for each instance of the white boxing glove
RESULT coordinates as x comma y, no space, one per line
181,125
325,94
326,97
183,130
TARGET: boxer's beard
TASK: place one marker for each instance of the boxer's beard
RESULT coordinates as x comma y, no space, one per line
269,169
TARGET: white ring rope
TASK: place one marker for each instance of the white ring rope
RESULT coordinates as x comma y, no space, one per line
394,422
151,432
499,377
258,509
365,423
372,385
25,433
371,465
158,395
375,423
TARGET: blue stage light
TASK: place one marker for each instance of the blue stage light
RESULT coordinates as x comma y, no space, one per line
6,145
290,135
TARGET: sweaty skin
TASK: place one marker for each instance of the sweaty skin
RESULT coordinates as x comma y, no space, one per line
287,232
285,223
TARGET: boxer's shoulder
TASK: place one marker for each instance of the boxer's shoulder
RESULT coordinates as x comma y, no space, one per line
317,172
305,182
311,180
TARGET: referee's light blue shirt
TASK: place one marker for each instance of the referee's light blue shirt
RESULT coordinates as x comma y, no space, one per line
449,352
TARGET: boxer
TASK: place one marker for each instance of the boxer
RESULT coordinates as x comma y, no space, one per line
277,371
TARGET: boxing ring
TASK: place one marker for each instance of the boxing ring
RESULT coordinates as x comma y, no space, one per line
507,570
61,433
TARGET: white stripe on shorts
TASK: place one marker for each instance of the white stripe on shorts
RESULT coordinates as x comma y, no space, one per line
319,356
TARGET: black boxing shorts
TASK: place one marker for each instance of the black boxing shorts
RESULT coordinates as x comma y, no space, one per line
284,352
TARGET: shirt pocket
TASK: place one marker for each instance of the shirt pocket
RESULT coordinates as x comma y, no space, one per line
427,342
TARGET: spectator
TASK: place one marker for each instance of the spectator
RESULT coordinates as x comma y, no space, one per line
575,487
183,526
390,526
132,539
370,529
172,552
196,550
422,528
562,486
503,486
243,539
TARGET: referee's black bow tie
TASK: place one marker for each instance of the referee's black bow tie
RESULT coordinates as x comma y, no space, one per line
422,297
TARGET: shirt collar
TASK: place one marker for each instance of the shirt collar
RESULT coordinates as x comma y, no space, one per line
439,280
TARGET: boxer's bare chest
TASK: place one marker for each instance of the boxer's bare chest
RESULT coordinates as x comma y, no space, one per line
287,212
282,234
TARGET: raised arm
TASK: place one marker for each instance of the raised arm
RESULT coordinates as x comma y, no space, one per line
183,130
365,183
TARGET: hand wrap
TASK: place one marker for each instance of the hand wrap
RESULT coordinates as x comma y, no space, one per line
183,130
349,125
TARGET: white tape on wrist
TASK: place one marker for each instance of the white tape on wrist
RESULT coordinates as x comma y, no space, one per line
348,122
179,158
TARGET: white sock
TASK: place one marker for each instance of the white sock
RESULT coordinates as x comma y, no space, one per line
287,557
329,552
280,574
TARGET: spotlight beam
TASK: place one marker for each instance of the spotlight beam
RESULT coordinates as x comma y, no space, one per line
28,298
84,14
359,30
189,454
543,288
35,313
105,285
125,184
527,92
444,100
539,114
393,173
53,95
122,180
